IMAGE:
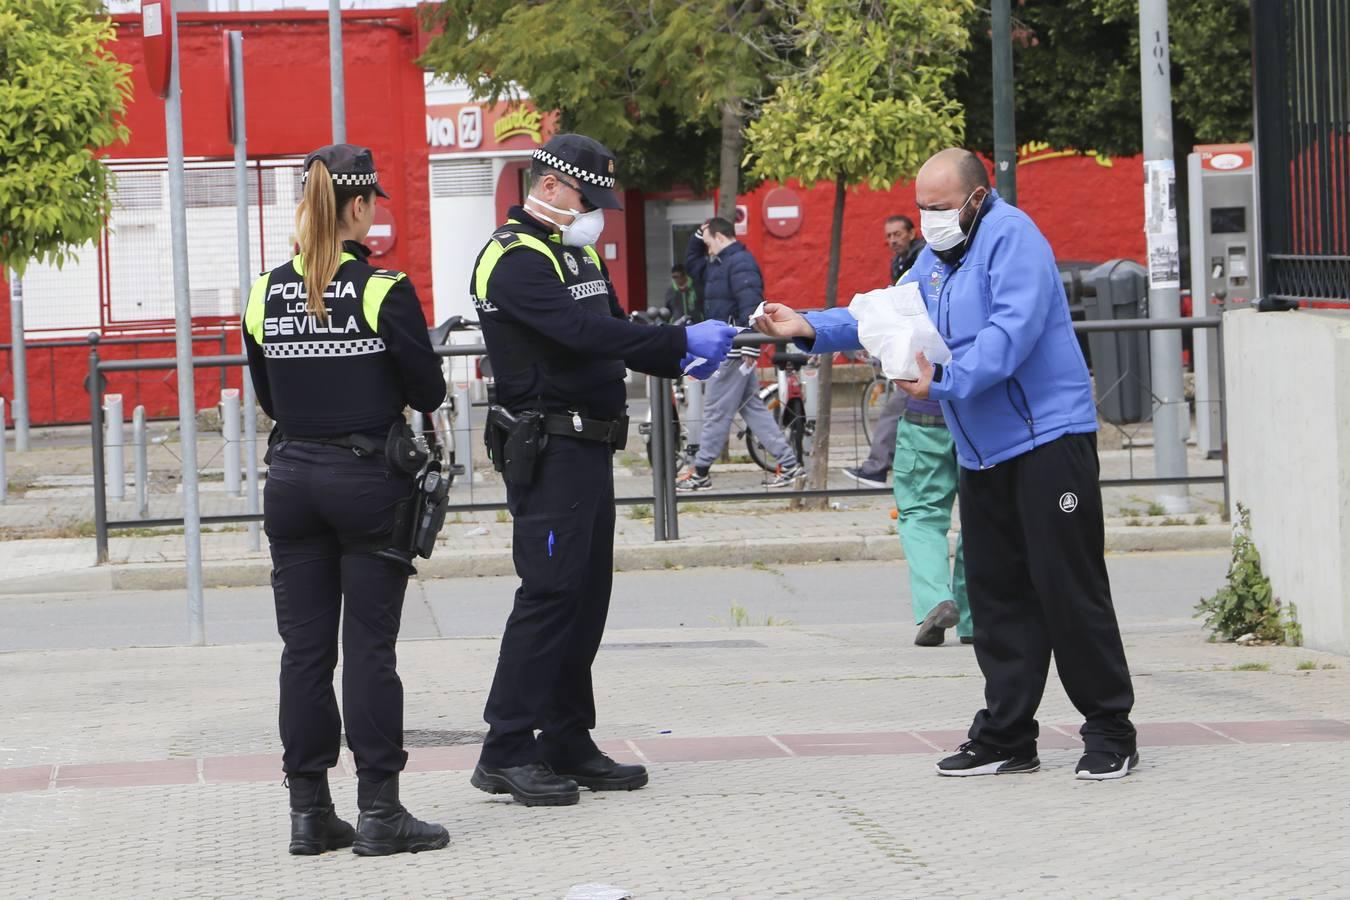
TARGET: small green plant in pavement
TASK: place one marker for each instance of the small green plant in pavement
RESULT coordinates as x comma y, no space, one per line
1155,509
1306,665
1252,667
640,511
1246,604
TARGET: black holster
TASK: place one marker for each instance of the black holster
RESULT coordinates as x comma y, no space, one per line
514,443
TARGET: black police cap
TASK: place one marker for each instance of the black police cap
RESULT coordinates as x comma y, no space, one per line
350,166
588,161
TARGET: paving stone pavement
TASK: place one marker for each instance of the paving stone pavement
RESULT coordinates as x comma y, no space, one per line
154,773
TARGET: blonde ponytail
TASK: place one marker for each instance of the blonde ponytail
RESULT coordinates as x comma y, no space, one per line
316,224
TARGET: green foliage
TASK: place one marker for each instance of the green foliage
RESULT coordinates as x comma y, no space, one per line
1076,63
1247,604
1306,665
868,105
1251,667
61,95
647,79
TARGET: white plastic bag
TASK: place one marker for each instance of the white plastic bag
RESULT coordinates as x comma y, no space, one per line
893,326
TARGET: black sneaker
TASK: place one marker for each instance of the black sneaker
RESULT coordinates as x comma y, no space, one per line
1100,765
974,758
866,479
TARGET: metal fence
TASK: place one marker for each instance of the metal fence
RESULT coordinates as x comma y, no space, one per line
472,494
1301,73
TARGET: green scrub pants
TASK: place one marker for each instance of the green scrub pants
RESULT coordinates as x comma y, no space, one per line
925,476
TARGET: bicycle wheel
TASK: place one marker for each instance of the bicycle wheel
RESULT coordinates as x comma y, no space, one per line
794,431
875,396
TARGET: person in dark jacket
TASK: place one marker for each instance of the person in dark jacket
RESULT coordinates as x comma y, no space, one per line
733,288
337,348
905,245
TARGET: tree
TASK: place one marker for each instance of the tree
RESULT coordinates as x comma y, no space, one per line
1077,68
61,96
667,85
867,106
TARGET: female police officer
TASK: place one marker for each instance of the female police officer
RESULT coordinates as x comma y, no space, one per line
337,348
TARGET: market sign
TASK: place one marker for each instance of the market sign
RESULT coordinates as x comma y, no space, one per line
478,128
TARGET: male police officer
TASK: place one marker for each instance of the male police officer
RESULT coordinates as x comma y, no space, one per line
543,295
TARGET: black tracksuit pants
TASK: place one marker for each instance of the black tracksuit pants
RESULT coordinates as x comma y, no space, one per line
1036,576
563,543
323,506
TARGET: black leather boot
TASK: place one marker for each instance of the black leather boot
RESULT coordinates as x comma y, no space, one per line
315,826
385,827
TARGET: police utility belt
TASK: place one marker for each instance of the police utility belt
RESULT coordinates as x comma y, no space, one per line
419,518
515,440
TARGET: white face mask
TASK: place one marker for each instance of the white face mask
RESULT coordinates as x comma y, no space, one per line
583,230
942,227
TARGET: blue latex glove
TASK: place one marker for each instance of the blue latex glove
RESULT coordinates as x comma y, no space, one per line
702,371
710,340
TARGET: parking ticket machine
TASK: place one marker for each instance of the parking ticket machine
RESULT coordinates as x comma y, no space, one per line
1224,258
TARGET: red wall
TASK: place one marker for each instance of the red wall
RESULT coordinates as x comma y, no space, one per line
1087,211
288,113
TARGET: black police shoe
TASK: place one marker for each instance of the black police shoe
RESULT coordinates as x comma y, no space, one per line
385,827
600,773
533,784
315,826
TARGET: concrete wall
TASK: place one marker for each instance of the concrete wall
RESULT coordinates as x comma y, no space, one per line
1288,398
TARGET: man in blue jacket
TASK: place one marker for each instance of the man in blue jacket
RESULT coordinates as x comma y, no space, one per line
733,288
1019,403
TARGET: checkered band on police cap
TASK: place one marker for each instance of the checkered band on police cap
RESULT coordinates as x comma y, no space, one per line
553,162
369,179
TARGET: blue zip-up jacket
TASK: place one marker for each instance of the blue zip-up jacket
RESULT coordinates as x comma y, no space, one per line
1017,378
732,284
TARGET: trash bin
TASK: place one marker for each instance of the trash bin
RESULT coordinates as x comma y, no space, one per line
1120,360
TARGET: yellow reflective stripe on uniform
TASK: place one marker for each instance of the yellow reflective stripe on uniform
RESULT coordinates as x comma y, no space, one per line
253,312
299,262
377,288
595,257
495,251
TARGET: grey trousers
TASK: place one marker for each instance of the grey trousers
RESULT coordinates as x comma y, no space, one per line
728,392
879,461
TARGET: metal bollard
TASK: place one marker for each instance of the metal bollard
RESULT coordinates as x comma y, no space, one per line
464,430
138,439
4,476
229,430
810,378
693,408
250,409
117,468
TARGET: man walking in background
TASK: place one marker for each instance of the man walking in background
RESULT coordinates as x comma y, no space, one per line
733,288
905,247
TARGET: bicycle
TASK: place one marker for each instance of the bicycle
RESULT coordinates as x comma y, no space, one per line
784,398
875,395
443,419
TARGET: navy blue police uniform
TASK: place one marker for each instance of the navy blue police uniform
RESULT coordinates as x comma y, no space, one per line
331,501
544,308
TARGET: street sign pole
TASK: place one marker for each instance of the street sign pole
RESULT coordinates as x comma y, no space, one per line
182,305
335,74
240,133
1171,418
1005,132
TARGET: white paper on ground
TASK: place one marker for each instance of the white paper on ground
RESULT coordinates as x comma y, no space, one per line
597,892
894,327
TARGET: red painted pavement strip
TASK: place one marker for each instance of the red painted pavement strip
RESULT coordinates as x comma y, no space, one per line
28,778
705,749
854,744
266,767
128,774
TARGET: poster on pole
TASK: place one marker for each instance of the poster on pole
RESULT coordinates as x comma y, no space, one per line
1160,224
